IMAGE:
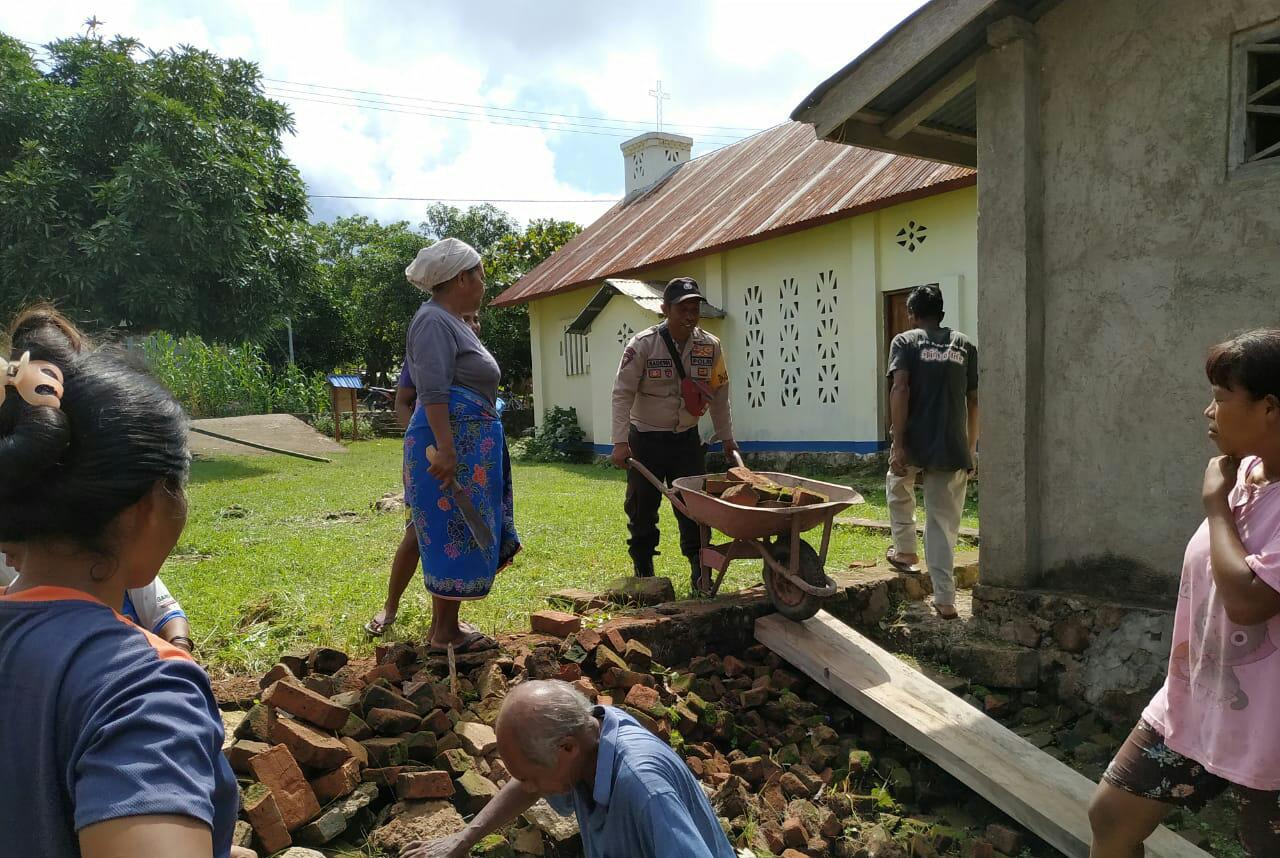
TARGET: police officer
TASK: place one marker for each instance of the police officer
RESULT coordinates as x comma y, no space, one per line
669,376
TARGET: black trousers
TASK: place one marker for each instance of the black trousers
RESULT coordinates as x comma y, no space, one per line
668,455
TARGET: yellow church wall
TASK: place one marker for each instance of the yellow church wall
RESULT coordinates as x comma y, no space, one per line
804,332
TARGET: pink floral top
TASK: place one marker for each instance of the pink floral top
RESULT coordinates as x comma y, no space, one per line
1220,704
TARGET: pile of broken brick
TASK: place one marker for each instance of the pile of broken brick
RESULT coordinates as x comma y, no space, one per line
334,753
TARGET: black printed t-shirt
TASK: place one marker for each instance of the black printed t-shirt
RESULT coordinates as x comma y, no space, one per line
943,367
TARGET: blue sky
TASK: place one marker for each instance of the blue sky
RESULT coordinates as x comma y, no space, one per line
731,66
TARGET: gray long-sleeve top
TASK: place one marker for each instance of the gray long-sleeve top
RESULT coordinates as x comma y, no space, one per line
442,351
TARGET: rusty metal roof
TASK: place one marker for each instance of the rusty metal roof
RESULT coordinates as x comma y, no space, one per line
778,181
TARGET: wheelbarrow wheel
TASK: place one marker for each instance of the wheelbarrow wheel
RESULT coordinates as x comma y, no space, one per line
790,601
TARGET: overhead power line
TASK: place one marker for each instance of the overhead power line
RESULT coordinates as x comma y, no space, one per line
564,126
642,124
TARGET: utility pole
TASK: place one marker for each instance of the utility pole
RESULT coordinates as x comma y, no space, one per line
659,96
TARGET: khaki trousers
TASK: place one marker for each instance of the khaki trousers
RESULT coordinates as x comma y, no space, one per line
944,493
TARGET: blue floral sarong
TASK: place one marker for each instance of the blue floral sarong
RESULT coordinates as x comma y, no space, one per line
453,564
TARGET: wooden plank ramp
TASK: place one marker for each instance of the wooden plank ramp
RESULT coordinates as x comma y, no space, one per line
1041,793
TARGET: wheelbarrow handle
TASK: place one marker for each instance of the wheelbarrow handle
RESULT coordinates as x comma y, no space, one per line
672,494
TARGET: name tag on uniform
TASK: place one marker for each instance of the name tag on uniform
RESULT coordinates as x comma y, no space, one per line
704,350
659,368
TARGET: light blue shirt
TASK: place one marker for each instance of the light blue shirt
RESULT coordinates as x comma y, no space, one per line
646,803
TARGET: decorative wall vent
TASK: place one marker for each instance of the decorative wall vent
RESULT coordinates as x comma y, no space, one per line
625,333
912,236
753,315
573,347
828,339
637,165
789,341
673,156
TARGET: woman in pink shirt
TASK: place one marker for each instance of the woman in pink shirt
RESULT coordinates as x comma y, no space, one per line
1216,722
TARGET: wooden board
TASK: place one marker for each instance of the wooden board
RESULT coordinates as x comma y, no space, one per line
1041,793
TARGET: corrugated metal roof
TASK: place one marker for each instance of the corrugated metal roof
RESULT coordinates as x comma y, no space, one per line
648,295
778,181
349,381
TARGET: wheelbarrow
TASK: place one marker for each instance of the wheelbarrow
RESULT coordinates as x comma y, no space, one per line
794,573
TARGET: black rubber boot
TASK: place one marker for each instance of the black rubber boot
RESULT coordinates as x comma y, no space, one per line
643,566
695,577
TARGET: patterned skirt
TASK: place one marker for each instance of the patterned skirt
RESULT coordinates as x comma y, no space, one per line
453,564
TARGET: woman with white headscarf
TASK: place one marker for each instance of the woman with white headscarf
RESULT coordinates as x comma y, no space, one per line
454,443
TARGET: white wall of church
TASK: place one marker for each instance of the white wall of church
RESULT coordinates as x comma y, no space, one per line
804,332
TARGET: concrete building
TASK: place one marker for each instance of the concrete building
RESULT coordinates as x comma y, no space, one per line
1129,156
805,250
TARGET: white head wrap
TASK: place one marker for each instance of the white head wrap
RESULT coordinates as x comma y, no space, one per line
440,263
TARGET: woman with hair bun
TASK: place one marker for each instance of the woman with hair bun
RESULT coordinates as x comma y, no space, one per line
109,736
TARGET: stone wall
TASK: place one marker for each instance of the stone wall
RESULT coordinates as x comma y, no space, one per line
1111,656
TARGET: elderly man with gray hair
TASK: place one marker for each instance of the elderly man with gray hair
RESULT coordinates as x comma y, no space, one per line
633,797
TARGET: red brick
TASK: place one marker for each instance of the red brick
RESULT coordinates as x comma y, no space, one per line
569,672
378,697
275,674
793,834
589,639
308,746
615,639
337,783
358,753
388,671
386,776
325,660
424,785
733,666
239,754
386,752
276,769
794,853
306,704
982,849
556,623
392,722
263,813
643,698
1004,838
615,678
637,656
438,722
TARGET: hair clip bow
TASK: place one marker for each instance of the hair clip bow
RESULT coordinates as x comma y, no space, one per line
37,381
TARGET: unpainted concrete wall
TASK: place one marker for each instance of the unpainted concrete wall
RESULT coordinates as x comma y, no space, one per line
1151,253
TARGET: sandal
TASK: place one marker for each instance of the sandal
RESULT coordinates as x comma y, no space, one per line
891,556
377,627
473,641
946,612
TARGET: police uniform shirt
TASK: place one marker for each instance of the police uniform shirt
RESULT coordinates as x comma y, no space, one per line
646,391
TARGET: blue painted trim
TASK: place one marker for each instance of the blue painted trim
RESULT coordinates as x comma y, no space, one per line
861,448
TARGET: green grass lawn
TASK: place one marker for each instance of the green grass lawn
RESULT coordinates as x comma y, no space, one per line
269,560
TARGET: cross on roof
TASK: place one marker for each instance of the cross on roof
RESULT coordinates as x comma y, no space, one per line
92,24
659,96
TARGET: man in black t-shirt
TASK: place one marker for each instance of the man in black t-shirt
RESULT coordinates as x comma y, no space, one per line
933,405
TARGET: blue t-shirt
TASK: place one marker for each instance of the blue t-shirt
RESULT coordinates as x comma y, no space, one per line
100,720
646,803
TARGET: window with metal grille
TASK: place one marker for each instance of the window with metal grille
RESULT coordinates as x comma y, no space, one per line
577,359
1255,127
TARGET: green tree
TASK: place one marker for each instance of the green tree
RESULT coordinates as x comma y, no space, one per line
362,304
148,189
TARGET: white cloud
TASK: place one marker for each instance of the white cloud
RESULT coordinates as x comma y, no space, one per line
739,63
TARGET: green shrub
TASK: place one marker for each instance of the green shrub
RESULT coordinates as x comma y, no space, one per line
558,439
212,380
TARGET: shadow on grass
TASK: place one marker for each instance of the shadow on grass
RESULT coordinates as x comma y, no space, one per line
222,470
